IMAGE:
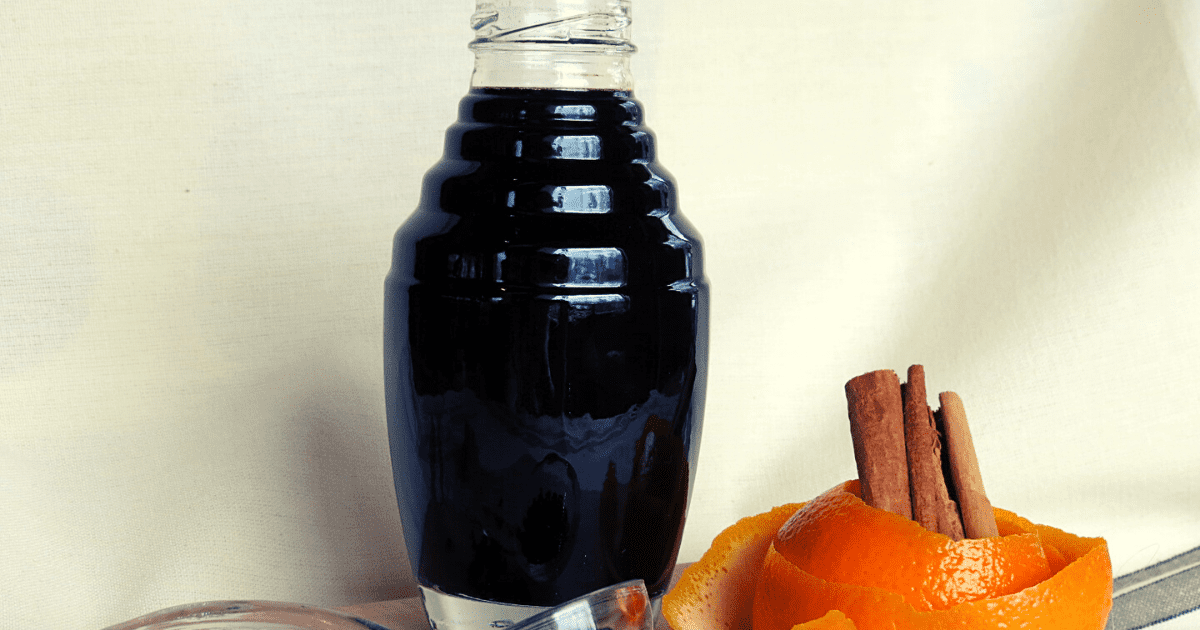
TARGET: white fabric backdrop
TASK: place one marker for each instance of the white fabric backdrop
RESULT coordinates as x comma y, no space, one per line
196,208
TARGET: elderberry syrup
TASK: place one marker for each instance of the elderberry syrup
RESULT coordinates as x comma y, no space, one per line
546,334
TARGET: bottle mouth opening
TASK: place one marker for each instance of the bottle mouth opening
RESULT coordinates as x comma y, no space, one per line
560,23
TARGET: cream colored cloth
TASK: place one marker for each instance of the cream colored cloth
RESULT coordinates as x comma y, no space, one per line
196,208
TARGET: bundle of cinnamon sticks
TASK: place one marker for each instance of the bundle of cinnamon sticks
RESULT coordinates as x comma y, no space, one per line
914,461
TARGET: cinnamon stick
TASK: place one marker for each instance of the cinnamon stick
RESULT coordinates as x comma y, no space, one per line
877,429
978,520
932,506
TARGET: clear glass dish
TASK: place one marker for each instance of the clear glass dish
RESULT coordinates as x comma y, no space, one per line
247,615
624,606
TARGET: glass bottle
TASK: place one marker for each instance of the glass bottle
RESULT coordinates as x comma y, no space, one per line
545,332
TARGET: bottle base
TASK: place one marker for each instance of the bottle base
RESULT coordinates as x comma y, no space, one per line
454,612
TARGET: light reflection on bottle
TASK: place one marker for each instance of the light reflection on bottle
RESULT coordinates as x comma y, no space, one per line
577,147
581,199
593,266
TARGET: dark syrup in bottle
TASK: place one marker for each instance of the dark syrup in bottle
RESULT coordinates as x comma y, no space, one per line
546,331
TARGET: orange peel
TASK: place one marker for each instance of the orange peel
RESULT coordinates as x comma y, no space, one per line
879,570
717,593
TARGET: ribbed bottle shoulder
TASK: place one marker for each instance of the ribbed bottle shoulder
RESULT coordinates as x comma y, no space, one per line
562,125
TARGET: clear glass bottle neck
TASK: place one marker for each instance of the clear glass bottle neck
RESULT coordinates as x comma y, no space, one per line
552,44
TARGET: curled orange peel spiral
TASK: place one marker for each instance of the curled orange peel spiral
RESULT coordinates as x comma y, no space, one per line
769,572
